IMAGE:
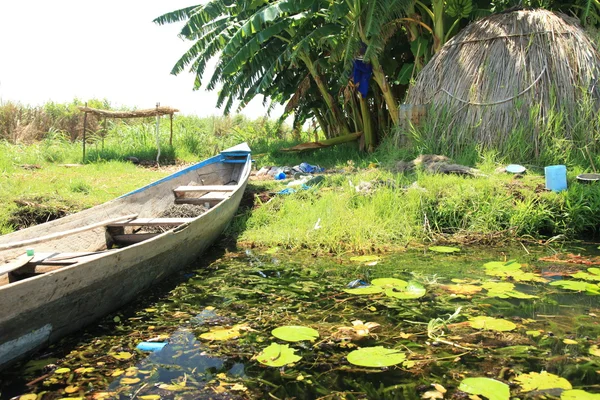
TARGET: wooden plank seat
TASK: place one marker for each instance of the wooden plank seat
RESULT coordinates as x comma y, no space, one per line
182,190
153,222
210,197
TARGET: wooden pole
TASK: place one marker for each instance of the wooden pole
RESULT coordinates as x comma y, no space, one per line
157,138
104,134
171,137
84,129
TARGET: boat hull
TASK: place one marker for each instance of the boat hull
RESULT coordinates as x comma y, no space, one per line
40,310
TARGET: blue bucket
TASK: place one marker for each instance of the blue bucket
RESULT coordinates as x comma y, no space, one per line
556,177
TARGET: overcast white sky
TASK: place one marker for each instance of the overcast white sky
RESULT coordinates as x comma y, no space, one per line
61,49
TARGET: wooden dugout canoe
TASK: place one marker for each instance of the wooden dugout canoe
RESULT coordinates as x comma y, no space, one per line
90,263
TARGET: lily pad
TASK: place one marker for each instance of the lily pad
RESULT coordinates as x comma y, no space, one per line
593,274
444,249
122,355
577,394
219,333
389,283
489,388
365,290
463,289
365,258
277,355
594,350
414,290
533,333
377,357
577,286
62,371
492,324
505,290
294,333
542,381
511,270
30,396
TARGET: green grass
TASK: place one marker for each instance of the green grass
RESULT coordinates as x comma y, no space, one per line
442,207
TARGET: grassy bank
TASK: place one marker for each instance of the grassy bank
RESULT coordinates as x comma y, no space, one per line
404,209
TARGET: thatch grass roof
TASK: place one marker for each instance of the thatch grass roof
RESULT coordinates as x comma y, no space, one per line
492,74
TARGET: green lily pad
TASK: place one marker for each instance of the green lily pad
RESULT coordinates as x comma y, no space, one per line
444,249
511,270
294,333
414,290
365,290
593,274
376,357
277,355
577,286
365,258
542,381
504,290
490,388
491,324
577,394
387,283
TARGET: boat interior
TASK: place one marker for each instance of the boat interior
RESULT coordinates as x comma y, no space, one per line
133,218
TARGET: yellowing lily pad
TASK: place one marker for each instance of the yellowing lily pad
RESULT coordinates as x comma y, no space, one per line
30,396
366,258
62,371
414,290
489,388
569,341
293,333
444,249
71,389
389,283
577,286
129,381
377,357
84,370
542,381
533,333
492,324
173,387
365,290
594,350
277,355
577,394
150,397
462,289
220,333
122,355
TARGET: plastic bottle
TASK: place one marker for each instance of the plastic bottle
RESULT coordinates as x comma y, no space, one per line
556,177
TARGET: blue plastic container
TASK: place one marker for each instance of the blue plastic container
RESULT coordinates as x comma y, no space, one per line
280,176
151,346
556,177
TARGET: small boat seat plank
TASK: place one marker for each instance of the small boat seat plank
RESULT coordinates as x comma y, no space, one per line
153,222
210,197
182,190
15,264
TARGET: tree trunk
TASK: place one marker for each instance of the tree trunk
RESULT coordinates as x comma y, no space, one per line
368,126
322,123
335,111
381,80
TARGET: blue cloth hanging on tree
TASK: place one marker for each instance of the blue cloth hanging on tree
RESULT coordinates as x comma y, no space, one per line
361,75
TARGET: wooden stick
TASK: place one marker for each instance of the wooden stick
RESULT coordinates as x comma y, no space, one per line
65,233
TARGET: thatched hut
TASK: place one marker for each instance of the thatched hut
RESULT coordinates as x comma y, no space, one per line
510,74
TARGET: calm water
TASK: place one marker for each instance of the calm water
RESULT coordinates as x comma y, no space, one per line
257,291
